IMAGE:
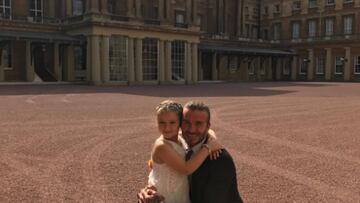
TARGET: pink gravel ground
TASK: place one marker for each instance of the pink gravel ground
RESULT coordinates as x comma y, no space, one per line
292,142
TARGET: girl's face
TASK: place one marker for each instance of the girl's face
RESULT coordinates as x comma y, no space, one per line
168,124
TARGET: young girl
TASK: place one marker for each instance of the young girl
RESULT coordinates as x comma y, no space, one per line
169,168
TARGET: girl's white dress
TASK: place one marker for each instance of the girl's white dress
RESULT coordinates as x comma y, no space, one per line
169,183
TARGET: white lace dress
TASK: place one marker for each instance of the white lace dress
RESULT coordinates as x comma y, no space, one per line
169,183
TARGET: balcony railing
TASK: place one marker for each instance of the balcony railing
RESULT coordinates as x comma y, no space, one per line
152,22
181,25
37,19
232,38
341,37
74,19
119,18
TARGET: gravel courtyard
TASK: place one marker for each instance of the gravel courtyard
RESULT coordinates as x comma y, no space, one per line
291,141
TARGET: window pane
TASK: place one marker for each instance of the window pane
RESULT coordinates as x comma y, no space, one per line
38,5
178,59
150,63
32,4
118,58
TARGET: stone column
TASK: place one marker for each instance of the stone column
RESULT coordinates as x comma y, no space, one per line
188,12
238,18
95,60
168,10
71,63
161,10
195,62
51,8
30,73
161,61
347,62
328,64
293,68
168,62
92,6
138,64
131,60
214,71
57,69
105,66
188,69
310,71
69,8
220,12
138,9
130,8
194,12
87,6
104,6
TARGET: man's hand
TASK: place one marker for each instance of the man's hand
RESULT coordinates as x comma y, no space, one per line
149,195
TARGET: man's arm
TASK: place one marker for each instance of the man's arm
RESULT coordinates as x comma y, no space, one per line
222,182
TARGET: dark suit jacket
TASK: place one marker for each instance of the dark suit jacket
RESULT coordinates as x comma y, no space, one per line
215,181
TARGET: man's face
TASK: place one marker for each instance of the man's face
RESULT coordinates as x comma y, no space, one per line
194,126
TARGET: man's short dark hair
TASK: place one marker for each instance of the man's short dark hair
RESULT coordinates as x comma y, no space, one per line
199,106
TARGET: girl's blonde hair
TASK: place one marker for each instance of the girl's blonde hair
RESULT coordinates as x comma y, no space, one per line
170,106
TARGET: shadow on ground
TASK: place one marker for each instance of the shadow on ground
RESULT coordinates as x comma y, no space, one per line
199,90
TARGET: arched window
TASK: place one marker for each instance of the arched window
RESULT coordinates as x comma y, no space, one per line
78,7
5,9
36,8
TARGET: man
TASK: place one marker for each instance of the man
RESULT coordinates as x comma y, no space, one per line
215,180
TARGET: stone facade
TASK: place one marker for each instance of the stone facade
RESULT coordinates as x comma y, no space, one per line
179,41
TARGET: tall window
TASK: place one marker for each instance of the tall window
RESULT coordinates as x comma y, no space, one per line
330,2
266,10
179,17
296,30
251,67
5,9
339,65
178,60
312,3
320,65
150,59
329,27
6,56
262,66
78,7
277,8
36,8
304,67
348,25
357,65
312,28
80,61
296,5
277,31
286,66
118,58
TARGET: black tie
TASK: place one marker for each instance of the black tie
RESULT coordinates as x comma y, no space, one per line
189,152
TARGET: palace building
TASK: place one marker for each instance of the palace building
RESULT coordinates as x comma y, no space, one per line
179,41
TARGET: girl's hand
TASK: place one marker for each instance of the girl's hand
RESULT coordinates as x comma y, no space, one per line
215,154
215,148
